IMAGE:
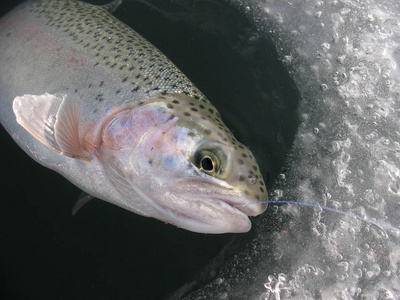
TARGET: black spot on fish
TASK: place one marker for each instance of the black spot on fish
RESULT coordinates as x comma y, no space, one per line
240,161
99,97
244,155
207,131
187,114
175,101
170,105
193,109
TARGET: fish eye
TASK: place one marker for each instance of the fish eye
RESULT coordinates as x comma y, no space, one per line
207,164
208,161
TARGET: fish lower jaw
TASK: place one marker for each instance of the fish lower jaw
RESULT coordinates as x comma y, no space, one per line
225,218
245,206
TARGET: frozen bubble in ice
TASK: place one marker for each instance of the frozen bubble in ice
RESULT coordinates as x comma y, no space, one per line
287,59
324,87
345,11
326,46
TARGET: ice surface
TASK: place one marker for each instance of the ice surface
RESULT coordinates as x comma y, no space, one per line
343,57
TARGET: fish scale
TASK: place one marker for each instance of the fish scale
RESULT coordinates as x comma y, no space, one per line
88,97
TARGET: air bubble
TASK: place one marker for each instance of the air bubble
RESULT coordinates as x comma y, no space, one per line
345,11
335,146
326,46
387,273
277,194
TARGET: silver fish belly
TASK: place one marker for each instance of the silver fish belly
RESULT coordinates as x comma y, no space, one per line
85,95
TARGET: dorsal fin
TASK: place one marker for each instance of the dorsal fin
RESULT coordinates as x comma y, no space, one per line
53,120
113,5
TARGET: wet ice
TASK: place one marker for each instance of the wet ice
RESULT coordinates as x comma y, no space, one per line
343,56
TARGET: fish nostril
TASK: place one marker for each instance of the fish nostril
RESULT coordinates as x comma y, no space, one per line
251,179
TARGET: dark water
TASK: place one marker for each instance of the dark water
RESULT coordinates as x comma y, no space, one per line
106,252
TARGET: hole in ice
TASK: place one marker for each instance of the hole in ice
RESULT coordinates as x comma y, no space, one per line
237,68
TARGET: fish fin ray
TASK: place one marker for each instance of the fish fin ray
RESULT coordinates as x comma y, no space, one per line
37,114
113,5
82,200
66,130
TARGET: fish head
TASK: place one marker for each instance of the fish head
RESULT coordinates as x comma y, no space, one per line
190,169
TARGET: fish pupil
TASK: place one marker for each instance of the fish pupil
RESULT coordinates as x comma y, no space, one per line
207,164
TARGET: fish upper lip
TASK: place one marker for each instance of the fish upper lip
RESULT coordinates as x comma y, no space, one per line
235,205
235,199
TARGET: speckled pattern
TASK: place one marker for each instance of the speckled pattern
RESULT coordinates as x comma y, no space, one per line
249,173
113,46
142,69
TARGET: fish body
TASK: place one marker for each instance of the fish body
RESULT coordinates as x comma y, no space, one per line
87,96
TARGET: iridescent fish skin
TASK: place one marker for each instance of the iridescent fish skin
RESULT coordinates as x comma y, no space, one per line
85,95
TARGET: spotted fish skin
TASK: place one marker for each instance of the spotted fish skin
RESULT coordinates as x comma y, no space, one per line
87,96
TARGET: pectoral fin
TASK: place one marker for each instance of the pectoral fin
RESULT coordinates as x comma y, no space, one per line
53,120
82,200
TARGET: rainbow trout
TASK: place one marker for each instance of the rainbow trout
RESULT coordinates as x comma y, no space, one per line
85,95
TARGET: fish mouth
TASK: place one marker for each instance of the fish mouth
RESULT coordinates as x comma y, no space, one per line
203,205
245,205
219,191
215,216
